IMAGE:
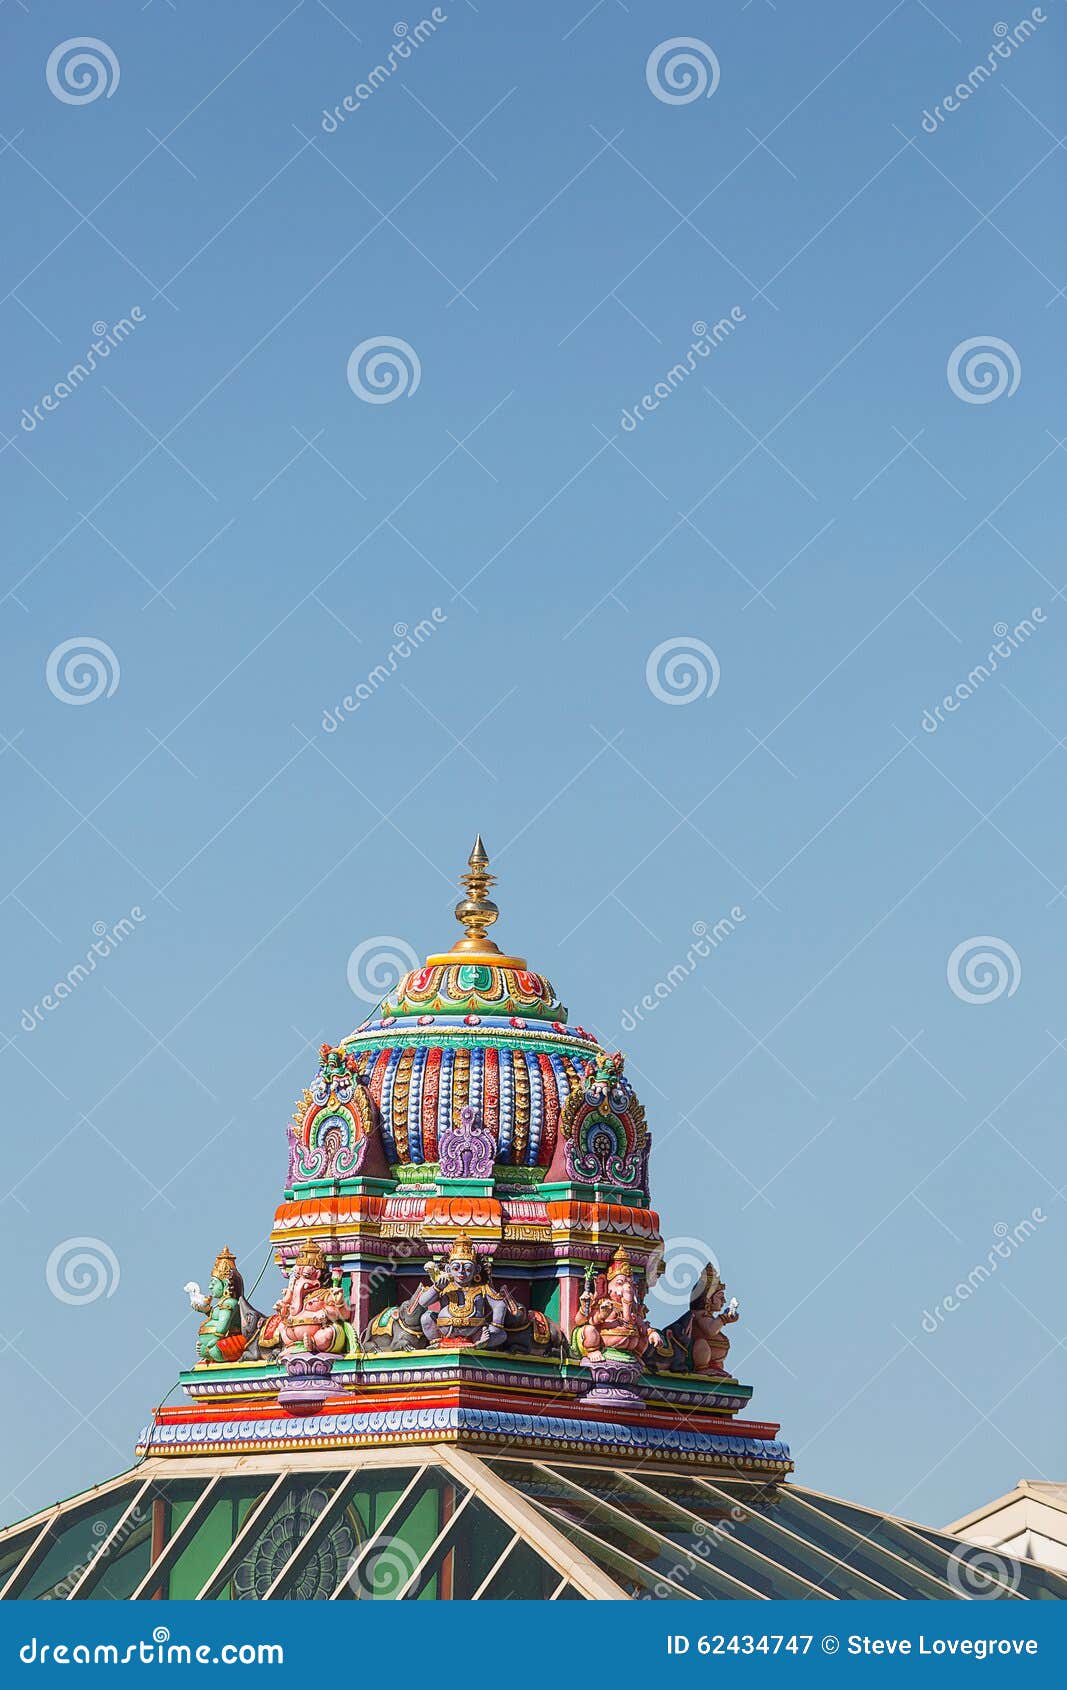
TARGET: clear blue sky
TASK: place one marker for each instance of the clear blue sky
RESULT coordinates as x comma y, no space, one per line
814,502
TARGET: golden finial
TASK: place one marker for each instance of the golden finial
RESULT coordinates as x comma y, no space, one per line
477,910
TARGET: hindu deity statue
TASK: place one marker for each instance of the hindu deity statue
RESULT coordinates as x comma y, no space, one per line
603,1075
313,1313
230,1322
613,1322
459,1305
697,1340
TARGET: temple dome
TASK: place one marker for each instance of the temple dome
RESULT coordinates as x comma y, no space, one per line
472,1028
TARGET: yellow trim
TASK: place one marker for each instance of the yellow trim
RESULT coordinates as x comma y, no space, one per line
459,959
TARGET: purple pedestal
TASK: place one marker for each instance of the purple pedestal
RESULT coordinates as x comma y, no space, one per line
613,1383
307,1384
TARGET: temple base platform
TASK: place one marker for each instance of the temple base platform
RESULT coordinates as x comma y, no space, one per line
479,1399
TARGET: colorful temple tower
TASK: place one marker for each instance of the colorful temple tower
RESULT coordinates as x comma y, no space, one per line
459,1393
467,1239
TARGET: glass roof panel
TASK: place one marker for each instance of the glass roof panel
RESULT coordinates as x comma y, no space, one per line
386,1561
610,1527
287,1517
884,1530
523,1576
711,1542
74,1537
125,1556
12,1550
188,1560
732,1516
783,1505
1033,1581
469,1546
637,1580
357,1511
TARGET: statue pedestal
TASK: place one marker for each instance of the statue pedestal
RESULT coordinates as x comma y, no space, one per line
613,1384
308,1383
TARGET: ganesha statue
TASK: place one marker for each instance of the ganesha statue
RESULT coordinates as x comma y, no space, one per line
228,1331
459,1306
313,1314
697,1341
612,1322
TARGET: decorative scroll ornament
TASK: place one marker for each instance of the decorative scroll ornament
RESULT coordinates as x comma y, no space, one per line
466,1151
605,1141
332,1122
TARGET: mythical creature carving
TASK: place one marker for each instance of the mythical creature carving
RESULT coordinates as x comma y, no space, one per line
459,1305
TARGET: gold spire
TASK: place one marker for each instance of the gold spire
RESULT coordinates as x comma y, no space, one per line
477,910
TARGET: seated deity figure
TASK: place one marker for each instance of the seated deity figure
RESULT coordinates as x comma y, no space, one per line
461,1305
613,1324
230,1322
312,1313
696,1341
